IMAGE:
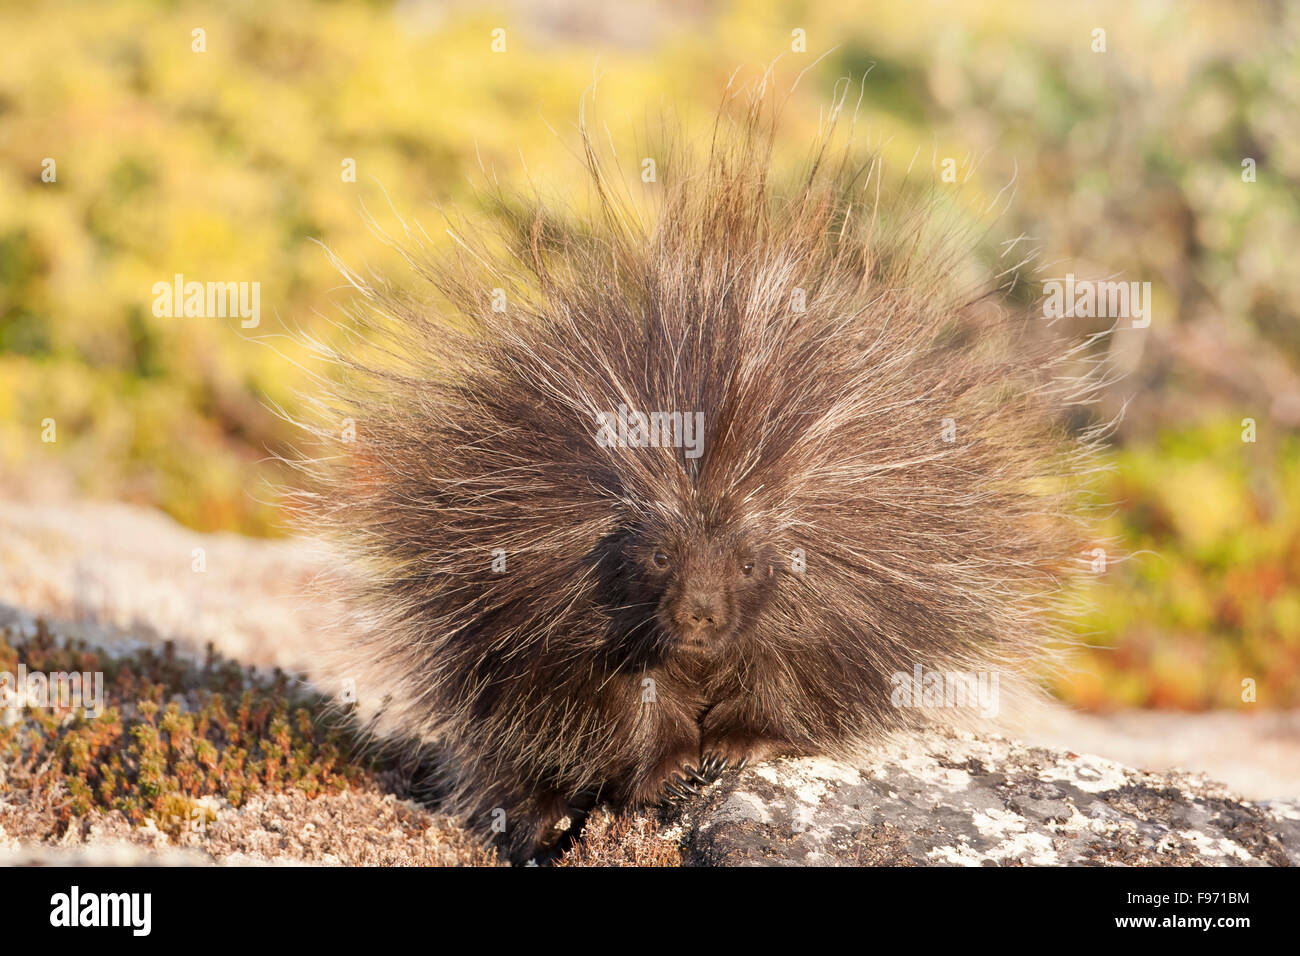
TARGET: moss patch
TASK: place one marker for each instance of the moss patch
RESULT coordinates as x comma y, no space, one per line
171,733
626,839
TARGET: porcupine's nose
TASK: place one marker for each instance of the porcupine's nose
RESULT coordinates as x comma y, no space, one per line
705,611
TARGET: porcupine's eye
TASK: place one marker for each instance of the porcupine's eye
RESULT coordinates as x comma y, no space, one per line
661,559
748,569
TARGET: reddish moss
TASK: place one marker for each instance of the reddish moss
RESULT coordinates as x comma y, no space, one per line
166,737
625,839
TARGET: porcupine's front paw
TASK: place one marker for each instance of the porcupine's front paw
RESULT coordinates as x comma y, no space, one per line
736,752
685,780
674,778
688,781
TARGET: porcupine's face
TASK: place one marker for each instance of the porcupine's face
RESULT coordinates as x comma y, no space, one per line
704,591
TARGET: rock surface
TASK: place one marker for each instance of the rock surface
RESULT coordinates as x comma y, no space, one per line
978,801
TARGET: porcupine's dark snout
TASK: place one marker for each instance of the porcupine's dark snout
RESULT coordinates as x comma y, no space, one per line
704,612
698,604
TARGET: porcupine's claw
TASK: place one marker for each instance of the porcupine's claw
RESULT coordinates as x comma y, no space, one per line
676,789
683,785
714,765
698,776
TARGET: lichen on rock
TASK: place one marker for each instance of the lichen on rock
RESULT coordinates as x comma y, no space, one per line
963,800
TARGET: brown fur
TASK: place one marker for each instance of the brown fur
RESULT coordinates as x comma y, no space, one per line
590,664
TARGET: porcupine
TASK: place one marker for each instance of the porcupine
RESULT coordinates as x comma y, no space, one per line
573,593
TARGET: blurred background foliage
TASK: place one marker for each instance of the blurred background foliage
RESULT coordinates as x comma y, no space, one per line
226,165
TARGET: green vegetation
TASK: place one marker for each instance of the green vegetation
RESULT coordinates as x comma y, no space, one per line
1211,596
